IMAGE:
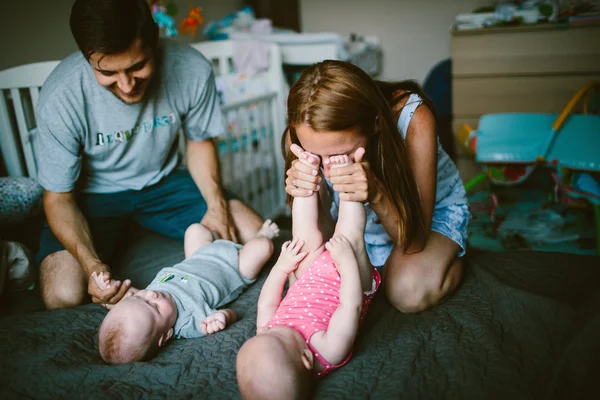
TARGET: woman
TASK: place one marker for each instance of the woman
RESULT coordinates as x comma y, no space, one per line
417,212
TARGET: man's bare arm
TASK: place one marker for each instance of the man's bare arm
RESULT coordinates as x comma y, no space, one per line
71,228
203,164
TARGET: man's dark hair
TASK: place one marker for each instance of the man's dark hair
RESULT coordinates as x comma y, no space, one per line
111,26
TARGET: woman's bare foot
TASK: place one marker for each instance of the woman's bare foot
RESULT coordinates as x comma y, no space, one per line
269,230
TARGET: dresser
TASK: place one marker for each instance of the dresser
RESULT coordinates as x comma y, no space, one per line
534,68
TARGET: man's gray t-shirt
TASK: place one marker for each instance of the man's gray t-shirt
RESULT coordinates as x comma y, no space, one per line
88,139
202,283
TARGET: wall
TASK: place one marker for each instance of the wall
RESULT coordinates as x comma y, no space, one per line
36,30
414,33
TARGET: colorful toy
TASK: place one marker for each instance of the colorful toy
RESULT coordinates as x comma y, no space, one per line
510,147
191,23
162,18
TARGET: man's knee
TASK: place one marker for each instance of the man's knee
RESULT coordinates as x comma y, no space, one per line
62,281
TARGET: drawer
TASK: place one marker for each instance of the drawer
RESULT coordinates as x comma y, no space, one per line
472,97
526,51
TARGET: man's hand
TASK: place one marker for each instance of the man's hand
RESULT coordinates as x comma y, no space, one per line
218,219
113,290
290,256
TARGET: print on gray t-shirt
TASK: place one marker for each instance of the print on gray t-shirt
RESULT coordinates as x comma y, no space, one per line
202,283
87,138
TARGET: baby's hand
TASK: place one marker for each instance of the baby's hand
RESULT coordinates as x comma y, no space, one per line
290,256
102,281
341,252
217,321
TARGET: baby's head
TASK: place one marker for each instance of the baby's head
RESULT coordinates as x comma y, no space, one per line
275,364
136,327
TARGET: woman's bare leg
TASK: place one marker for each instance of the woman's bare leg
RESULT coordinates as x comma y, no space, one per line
418,281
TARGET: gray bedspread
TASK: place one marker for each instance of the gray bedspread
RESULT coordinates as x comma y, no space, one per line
522,325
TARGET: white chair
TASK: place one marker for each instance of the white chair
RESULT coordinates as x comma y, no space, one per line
19,91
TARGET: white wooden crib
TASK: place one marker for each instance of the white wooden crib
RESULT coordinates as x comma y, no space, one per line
252,166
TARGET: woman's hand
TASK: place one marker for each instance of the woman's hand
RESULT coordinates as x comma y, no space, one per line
356,182
303,177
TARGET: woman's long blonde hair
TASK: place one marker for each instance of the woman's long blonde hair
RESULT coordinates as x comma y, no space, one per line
336,95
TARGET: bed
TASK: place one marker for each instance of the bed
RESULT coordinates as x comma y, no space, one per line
523,325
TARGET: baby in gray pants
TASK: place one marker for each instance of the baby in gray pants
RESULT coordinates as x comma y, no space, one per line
185,300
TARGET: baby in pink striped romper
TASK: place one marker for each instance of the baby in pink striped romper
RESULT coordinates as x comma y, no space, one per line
311,331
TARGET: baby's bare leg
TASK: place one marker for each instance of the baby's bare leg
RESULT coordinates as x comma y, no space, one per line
257,251
196,236
351,224
305,220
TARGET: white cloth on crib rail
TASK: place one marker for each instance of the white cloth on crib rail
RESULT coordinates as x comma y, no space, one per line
250,56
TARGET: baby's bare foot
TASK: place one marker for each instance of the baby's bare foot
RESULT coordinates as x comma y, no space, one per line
269,230
339,161
304,156
341,251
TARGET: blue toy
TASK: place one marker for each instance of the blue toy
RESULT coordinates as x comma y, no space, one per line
164,21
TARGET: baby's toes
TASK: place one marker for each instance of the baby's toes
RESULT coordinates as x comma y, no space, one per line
334,161
340,161
310,159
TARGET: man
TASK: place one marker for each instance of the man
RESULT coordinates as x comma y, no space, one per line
108,118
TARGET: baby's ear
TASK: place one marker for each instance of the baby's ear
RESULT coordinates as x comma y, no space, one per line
165,337
308,359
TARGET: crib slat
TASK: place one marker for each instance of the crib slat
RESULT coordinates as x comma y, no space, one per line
230,178
270,174
268,180
247,159
249,177
241,181
23,131
8,145
275,129
258,157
